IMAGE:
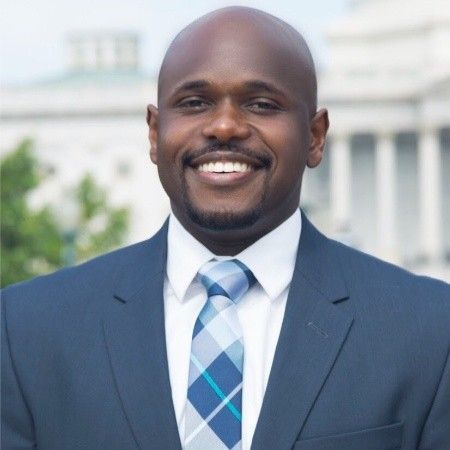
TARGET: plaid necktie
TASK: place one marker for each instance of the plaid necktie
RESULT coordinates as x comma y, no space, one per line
214,400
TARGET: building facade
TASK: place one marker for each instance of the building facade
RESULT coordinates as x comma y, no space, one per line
385,182
91,119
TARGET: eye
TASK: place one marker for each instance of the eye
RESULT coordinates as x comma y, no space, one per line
193,103
263,106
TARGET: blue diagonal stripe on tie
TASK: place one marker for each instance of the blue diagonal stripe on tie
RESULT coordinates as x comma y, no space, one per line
216,388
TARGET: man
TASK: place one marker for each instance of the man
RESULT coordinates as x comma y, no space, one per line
238,324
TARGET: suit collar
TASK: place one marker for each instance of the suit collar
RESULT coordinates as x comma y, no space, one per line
147,260
319,264
316,262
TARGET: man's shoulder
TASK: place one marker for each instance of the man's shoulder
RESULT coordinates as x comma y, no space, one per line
365,276
98,268
74,289
378,281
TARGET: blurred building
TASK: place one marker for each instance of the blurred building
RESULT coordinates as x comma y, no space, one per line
385,180
92,119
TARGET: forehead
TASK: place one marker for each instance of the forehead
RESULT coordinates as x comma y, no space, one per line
232,53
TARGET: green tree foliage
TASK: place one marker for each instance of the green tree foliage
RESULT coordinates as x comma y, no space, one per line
31,240
101,227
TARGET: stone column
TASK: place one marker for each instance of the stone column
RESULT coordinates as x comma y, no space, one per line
340,183
386,197
430,197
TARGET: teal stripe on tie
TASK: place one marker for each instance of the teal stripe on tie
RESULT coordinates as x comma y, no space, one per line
216,388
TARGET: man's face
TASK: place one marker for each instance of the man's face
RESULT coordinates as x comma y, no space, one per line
232,133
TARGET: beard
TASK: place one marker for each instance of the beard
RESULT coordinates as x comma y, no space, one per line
223,220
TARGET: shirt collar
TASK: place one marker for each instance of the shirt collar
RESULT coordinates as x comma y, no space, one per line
185,256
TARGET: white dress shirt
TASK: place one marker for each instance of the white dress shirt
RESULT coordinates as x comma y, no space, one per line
261,310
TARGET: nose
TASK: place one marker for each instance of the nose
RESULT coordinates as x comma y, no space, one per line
226,123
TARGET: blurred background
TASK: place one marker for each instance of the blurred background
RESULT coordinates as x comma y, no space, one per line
76,179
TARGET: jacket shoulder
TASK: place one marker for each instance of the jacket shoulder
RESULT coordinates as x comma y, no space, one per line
70,292
103,267
387,284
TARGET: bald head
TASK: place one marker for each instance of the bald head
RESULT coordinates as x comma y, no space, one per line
240,29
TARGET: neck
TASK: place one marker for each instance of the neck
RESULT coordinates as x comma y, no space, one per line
231,242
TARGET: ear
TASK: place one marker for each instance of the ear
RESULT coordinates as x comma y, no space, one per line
318,128
152,121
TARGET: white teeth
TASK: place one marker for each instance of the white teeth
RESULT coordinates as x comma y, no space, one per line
227,167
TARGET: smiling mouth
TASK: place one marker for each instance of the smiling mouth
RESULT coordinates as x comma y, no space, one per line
223,163
225,167
224,171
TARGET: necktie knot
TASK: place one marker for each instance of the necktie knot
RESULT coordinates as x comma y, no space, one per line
231,278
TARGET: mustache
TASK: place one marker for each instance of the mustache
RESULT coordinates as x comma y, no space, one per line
263,157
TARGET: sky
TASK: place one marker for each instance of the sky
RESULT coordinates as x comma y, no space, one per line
32,33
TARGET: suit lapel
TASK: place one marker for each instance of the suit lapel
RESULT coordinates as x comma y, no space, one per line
135,339
313,332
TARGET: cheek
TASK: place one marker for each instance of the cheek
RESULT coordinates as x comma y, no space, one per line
171,135
168,142
175,137
290,147
168,169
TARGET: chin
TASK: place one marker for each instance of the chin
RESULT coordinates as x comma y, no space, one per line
224,219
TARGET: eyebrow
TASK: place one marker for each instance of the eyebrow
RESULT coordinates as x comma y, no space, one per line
259,85
254,85
191,85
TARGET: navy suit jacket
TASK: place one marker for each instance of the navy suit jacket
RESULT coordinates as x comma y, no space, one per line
361,362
